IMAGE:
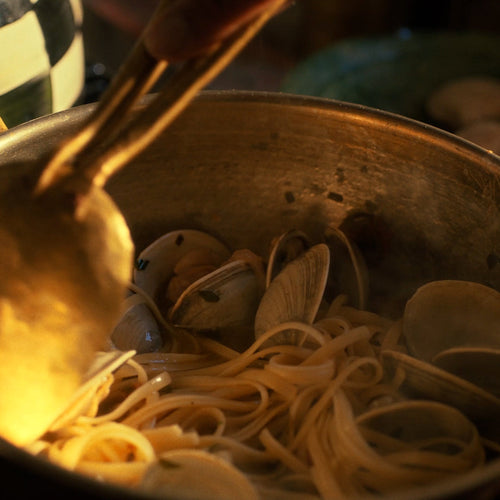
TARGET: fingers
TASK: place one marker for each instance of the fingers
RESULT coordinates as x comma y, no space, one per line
182,29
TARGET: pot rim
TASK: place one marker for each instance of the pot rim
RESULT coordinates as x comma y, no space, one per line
347,111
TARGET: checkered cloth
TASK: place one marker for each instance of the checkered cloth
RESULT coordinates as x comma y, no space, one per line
42,61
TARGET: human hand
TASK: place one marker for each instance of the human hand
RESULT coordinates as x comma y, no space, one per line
182,29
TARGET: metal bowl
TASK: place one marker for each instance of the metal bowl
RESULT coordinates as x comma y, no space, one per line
421,204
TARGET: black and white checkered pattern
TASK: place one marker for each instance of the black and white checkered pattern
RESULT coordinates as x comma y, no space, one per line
42,60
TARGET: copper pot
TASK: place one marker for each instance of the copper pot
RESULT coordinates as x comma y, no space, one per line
421,204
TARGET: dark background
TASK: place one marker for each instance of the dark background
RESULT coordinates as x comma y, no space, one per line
307,26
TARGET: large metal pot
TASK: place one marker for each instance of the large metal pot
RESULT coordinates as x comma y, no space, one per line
421,204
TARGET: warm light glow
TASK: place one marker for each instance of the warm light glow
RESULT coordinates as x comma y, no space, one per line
62,282
36,370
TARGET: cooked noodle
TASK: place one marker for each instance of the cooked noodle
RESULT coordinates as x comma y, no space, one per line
286,415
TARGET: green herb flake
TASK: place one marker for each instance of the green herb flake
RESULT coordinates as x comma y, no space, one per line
168,464
209,296
141,264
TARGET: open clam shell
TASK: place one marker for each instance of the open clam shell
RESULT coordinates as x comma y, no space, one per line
285,248
228,296
196,474
430,424
155,264
295,294
424,380
478,365
349,273
451,313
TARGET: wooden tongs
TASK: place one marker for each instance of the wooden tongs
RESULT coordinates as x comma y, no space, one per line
110,138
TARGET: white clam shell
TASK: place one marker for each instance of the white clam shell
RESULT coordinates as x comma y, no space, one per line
137,329
420,421
285,248
349,272
478,365
295,294
228,296
422,379
155,264
451,313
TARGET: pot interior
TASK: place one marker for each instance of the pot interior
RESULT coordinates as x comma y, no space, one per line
421,204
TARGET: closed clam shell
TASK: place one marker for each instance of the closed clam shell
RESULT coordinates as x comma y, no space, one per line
137,329
451,313
295,294
155,264
226,297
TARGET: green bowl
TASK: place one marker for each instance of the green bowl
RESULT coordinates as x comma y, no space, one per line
395,74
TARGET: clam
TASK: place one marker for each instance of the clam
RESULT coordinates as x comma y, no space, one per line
424,380
197,474
447,314
478,365
285,248
428,425
138,328
155,264
452,332
295,294
349,274
226,297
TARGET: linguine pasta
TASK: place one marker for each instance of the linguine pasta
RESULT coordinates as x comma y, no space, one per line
290,417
